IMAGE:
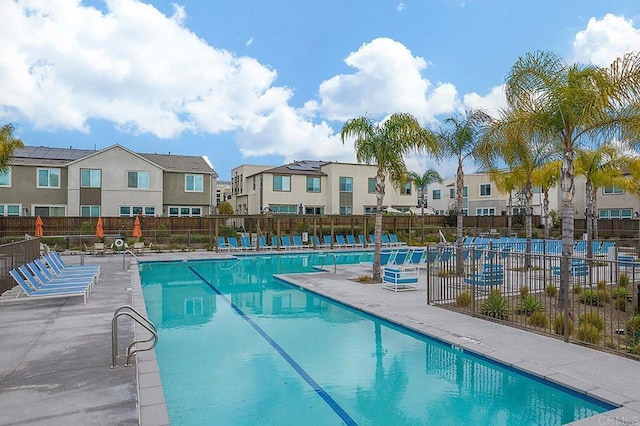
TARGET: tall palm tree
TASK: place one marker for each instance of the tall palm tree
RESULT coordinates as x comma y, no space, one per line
570,104
459,140
546,177
422,181
384,144
8,145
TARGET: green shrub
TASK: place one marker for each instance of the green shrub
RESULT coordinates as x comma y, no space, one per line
463,300
624,280
529,304
592,318
524,291
161,231
227,231
538,319
633,334
551,290
577,289
86,228
604,295
589,333
620,304
590,296
621,293
602,285
558,325
364,279
225,207
495,305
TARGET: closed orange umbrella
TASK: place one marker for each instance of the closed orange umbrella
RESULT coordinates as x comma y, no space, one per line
38,227
137,232
99,230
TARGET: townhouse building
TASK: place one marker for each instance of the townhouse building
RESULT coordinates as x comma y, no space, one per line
114,181
314,187
481,197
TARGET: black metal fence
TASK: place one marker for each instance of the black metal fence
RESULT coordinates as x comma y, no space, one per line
14,254
509,285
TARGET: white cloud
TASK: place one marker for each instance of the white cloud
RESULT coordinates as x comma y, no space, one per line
491,103
604,40
387,79
400,7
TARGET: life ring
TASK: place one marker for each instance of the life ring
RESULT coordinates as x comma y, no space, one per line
119,243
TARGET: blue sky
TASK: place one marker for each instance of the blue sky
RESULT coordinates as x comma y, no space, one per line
268,82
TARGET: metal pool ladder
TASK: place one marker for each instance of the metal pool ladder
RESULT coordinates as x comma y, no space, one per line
127,310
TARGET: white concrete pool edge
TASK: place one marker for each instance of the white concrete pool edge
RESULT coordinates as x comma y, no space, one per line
450,328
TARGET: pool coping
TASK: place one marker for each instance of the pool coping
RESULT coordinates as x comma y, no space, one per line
152,406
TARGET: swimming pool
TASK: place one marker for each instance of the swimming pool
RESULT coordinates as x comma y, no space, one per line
237,347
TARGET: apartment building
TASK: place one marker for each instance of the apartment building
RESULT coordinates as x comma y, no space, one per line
111,182
482,198
314,187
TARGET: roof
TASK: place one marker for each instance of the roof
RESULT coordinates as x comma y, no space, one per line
306,167
42,155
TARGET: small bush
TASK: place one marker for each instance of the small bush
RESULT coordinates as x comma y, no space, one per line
624,280
463,300
633,334
538,319
592,297
602,285
620,304
558,325
161,231
621,293
529,305
86,228
551,290
577,289
364,279
495,306
589,333
524,291
604,295
592,318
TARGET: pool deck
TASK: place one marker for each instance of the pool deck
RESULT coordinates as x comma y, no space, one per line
57,354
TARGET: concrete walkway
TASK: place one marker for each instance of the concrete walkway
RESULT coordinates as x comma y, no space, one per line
57,354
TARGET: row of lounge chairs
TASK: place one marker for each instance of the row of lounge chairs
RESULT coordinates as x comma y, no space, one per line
538,246
296,242
50,277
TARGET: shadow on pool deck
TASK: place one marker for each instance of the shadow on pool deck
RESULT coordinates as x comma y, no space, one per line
57,354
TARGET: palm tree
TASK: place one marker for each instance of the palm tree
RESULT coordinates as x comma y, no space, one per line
546,177
460,141
422,182
570,104
384,144
8,145
506,182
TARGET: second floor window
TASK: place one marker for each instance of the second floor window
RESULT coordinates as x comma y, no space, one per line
346,184
485,190
138,180
452,192
405,189
436,194
193,183
281,183
372,185
612,190
48,178
313,184
90,178
5,177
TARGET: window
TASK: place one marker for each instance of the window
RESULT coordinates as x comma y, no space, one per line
130,211
9,210
185,211
486,211
370,210
435,194
5,177
90,178
138,180
406,189
465,192
282,183
48,178
193,183
371,183
313,210
612,190
313,184
284,208
49,211
346,185
485,190
346,210
90,211
615,214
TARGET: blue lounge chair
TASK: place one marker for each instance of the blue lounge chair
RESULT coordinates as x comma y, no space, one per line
40,282
46,293
233,243
262,243
315,241
362,240
402,256
340,242
246,243
222,244
351,241
385,240
286,242
328,242
393,238
491,275
416,256
62,265
275,242
297,242
44,275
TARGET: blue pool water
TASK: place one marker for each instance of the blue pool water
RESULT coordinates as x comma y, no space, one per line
238,347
